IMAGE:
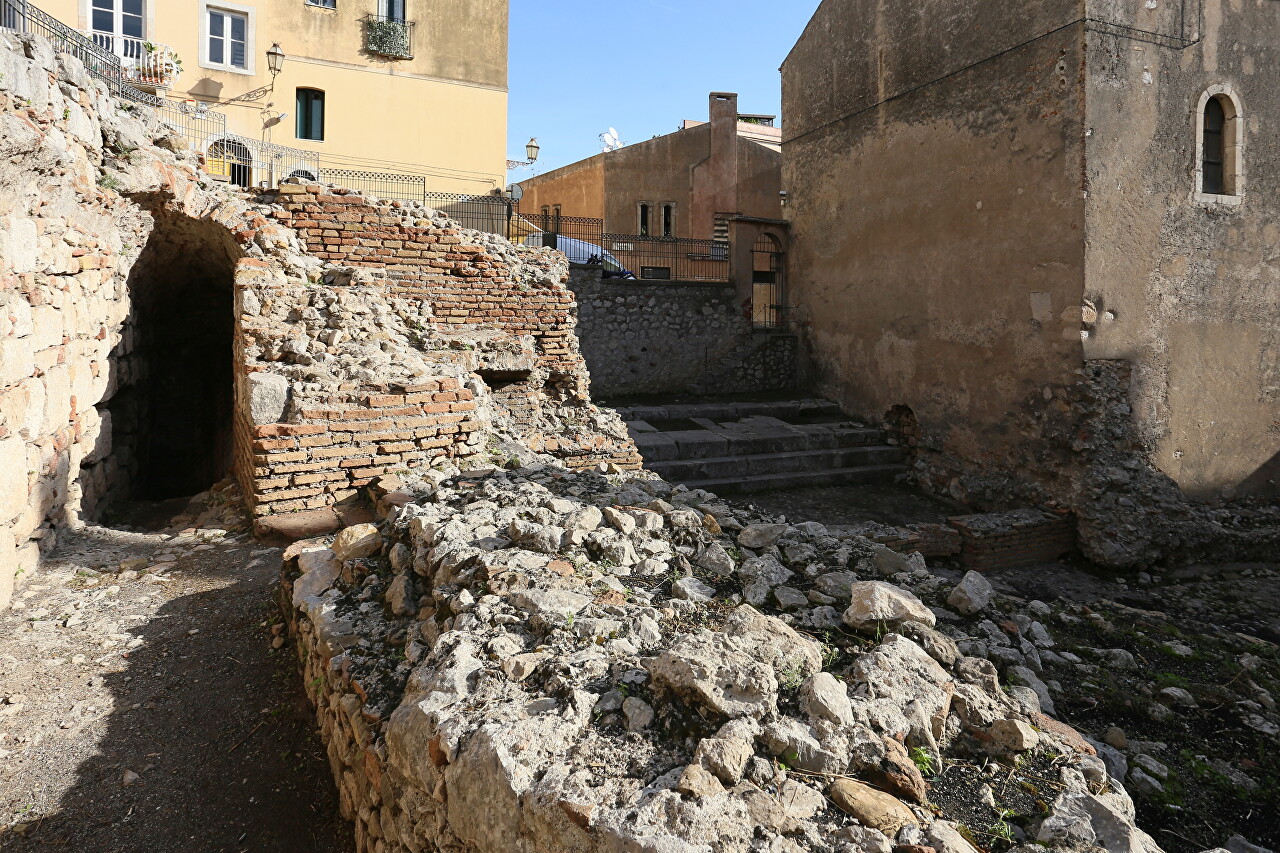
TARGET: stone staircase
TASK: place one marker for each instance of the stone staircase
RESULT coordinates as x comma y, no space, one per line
741,448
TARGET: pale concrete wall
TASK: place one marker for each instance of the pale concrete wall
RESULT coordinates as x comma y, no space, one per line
445,110
936,227
1188,290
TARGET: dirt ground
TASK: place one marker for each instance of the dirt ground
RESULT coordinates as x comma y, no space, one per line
143,708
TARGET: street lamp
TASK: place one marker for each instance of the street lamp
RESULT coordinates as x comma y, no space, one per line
275,60
532,150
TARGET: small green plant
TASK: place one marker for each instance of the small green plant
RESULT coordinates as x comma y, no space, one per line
66,113
1170,679
1002,829
791,677
109,181
922,760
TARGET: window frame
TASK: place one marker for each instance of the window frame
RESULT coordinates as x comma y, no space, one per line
249,13
331,5
298,118
644,219
1233,148
667,212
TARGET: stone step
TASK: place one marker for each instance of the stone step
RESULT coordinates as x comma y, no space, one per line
728,411
755,483
759,464
748,436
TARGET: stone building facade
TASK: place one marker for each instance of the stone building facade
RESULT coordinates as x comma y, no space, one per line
989,224
158,333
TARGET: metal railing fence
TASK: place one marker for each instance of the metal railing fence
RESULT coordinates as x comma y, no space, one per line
671,258
21,16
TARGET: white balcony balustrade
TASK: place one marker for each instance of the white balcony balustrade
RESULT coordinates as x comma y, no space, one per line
147,64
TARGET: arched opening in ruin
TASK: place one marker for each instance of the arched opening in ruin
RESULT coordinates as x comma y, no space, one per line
171,398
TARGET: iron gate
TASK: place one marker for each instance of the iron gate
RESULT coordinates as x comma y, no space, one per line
768,283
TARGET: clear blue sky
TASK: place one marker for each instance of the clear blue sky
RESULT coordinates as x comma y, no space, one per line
581,66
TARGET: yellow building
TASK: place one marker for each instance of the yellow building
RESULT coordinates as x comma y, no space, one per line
392,96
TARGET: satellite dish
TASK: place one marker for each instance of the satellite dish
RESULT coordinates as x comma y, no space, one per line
610,141
516,192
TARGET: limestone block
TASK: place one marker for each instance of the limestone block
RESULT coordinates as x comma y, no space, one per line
17,360
13,478
19,243
97,429
268,395
15,314
48,326
8,567
57,389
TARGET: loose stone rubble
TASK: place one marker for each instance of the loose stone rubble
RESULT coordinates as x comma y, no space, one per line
538,659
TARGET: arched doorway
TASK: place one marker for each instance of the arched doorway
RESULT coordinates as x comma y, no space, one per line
171,402
231,159
768,283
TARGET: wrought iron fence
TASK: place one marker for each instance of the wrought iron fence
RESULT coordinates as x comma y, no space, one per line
390,185
249,163
671,258
193,122
389,36
21,16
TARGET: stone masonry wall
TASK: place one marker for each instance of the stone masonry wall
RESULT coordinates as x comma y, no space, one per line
69,239
413,341
374,339
670,338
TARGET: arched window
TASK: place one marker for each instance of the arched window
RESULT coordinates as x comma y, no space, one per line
310,115
1220,163
232,160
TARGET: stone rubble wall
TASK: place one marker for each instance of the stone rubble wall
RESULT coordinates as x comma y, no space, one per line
1081,452
643,337
475,334
403,341
68,240
537,660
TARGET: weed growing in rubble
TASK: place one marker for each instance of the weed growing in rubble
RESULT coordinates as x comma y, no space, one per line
1002,829
922,760
109,181
791,677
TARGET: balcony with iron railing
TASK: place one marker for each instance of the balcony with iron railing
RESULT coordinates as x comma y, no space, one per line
388,36
146,64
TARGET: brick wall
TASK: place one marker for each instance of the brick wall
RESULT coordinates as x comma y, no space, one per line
495,324
340,447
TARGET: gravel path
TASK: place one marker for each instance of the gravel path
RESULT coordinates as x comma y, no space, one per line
144,708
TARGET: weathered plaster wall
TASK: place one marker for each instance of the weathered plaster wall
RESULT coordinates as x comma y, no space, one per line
673,337
1188,291
578,189
936,242
704,169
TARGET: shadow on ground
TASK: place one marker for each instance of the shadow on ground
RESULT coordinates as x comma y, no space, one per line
213,722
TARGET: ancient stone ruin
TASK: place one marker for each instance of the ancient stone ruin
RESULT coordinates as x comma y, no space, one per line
533,645
161,334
